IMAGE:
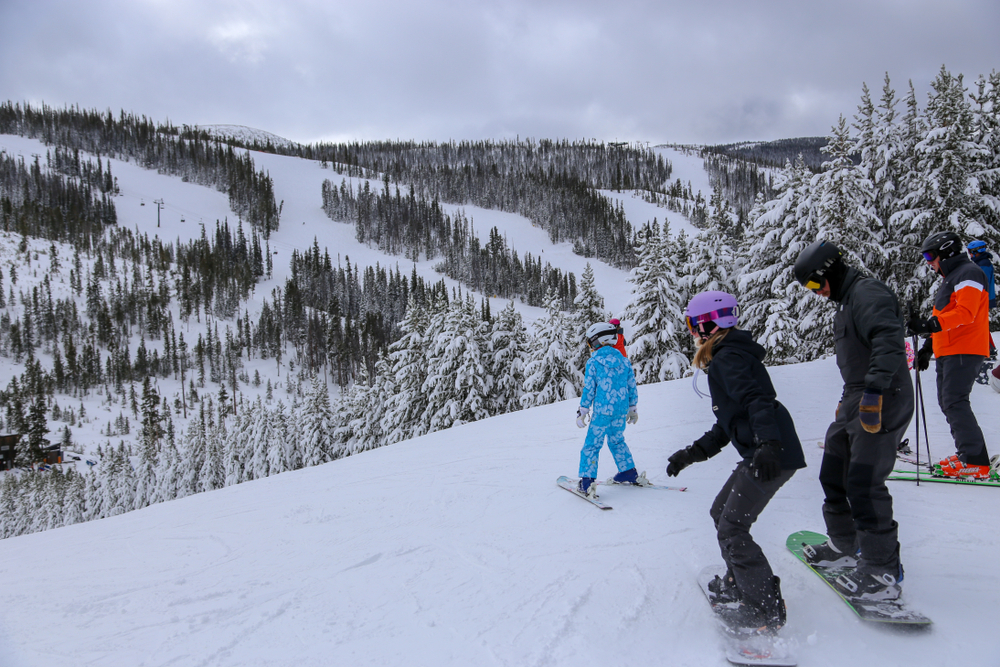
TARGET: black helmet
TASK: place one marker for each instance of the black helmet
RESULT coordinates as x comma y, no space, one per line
815,262
941,244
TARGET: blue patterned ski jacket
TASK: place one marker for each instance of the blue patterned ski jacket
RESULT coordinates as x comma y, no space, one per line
609,385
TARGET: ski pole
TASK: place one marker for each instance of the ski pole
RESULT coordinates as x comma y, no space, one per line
923,418
916,413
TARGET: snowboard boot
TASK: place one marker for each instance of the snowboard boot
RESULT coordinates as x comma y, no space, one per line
871,586
767,619
724,589
587,487
827,555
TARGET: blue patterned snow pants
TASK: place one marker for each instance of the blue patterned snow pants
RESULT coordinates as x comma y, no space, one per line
615,433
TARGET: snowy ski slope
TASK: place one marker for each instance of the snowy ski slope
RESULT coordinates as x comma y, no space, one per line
457,548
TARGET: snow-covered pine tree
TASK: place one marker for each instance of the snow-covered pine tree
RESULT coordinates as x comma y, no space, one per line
195,447
350,416
317,425
844,204
258,443
458,384
368,429
276,429
985,175
880,148
656,311
550,375
770,298
588,308
74,503
409,368
167,473
238,446
213,471
92,495
508,345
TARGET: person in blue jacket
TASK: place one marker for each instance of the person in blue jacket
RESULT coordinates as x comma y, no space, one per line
984,259
749,416
609,400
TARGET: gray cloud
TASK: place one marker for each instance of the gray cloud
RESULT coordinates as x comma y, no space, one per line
704,72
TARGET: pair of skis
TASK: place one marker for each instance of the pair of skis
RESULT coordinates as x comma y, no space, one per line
749,646
571,485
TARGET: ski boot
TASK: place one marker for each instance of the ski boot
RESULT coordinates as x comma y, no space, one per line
587,487
954,467
630,476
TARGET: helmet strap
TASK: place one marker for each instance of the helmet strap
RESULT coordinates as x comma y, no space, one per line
705,335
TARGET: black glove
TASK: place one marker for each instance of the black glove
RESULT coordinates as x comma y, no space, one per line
924,355
767,461
918,325
682,458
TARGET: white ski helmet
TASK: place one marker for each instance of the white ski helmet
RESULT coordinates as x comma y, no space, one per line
602,333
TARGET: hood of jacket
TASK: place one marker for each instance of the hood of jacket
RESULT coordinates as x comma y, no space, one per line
741,340
950,264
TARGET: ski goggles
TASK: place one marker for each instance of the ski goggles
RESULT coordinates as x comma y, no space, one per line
930,256
814,282
694,323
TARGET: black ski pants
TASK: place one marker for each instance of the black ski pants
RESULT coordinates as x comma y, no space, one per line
734,511
856,463
956,374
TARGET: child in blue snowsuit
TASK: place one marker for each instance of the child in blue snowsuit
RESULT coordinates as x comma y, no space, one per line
610,397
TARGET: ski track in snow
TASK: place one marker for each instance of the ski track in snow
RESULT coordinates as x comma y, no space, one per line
457,548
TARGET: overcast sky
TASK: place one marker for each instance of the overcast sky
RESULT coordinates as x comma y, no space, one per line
697,71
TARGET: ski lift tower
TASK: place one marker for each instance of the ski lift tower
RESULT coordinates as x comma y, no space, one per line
159,205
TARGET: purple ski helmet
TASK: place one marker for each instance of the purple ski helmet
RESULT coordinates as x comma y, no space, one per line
719,308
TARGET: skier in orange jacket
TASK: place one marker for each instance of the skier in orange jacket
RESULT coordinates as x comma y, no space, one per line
958,328
620,340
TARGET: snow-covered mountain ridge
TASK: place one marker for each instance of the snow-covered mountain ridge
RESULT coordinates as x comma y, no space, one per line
244,135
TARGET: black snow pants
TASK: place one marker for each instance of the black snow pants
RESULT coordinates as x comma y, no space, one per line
734,511
856,463
956,374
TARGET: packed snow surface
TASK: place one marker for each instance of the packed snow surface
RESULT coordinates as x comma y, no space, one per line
458,548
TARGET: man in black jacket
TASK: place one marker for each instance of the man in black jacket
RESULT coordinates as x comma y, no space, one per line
874,412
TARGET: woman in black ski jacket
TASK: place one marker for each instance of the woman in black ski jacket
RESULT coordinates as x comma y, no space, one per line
761,429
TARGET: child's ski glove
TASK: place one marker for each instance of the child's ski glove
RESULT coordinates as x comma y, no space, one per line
633,416
582,417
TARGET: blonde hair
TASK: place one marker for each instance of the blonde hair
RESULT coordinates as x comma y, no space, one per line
703,355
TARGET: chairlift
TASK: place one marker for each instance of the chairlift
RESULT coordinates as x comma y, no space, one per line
182,218
142,202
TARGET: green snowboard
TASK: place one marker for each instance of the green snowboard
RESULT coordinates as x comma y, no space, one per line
893,612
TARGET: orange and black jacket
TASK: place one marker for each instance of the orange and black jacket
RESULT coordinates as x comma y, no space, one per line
962,308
